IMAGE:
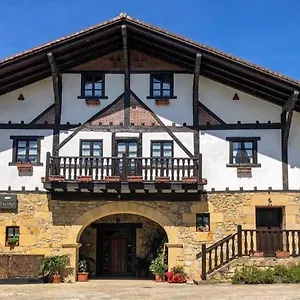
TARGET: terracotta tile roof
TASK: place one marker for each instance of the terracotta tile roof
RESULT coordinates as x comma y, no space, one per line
162,31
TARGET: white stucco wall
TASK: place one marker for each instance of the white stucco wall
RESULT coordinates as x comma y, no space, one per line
179,110
38,97
218,98
215,156
293,153
75,110
9,174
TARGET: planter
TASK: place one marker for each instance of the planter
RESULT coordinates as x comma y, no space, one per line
82,276
282,254
243,170
112,179
92,102
57,178
10,244
158,278
162,101
56,279
87,178
256,254
135,179
203,181
189,180
162,179
24,167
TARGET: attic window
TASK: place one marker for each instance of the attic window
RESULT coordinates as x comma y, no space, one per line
21,97
236,97
92,86
161,86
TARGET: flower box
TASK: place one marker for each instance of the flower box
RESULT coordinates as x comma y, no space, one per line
135,178
12,241
82,178
203,181
24,167
112,179
256,254
58,178
92,102
162,179
243,170
189,180
162,101
282,254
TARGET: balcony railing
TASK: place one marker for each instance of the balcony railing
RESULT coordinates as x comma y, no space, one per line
147,169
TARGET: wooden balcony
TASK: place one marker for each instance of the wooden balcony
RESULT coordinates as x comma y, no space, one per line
96,174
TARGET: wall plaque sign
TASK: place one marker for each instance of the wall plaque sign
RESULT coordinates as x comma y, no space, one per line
8,201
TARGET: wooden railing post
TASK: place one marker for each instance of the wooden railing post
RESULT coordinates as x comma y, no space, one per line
203,261
47,166
239,241
125,167
199,173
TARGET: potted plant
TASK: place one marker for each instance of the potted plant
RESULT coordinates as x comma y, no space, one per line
54,266
13,240
158,267
83,273
142,265
176,275
282,254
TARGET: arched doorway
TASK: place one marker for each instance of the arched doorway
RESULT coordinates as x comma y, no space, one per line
121,245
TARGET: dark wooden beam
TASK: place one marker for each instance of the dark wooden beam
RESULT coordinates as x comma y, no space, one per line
286,120
166,129
127,77
57,90
196,89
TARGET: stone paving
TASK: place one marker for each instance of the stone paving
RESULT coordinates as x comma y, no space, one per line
144,289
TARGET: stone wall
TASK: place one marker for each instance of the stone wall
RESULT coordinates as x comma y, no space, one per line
54,226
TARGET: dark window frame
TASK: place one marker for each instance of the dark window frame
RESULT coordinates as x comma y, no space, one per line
16,231
161,148
82,89
117,139
26,138
202,215
243,140
161,96
90,141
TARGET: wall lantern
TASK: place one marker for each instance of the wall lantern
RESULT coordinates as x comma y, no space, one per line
270,202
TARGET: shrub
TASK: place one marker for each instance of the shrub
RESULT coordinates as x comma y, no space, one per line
158,265
177,275
253,275
288,274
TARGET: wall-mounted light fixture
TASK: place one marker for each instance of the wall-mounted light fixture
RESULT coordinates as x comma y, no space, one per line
270,202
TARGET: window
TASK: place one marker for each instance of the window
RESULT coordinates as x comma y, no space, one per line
12,235
161,149
161,86
91,148
26,149
92,86
202,222
243,151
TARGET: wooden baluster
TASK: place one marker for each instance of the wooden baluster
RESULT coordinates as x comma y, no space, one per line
216,258
167,167
209,261
251,241
189,168
80,166
85,166
64,166
246,242
97,168
172,169
75,168
162,166
293,244
70,168
178,169
91,162
101,168
48,166
221,254
203,262
233,247
227,250
287,242
183,168
107,166
151,168
156,167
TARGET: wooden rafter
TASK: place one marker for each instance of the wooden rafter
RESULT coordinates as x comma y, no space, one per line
127,76
286,120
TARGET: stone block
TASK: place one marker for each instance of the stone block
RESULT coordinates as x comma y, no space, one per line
189,218
204,236
291,210
277,199
216,217
202,207
28,240
248,210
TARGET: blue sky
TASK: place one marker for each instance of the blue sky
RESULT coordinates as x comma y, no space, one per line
265,32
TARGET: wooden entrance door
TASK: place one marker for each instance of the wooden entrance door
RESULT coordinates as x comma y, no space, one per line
117,259
269,224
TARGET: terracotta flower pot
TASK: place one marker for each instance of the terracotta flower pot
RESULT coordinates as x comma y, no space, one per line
56,278
87,178
134,178
189,180
24,167
162,179
112,179
82,276
282,254
158,278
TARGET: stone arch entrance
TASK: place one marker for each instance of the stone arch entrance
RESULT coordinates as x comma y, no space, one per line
114,208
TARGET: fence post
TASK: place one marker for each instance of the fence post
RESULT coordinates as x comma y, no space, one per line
203,261
47,166
239,241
